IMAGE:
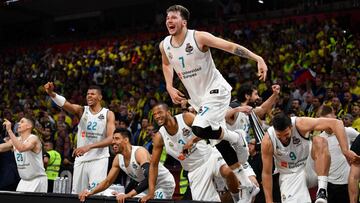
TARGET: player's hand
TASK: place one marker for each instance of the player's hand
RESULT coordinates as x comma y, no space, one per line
146,198
262,69
244,109
187,146
276,89
7,124
254,181
176,96
83,195
49,89
81,151
352,157
120,197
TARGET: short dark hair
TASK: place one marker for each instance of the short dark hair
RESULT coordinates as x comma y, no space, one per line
125,133
245,89
162,104
326,110
184,12
281,121
95,87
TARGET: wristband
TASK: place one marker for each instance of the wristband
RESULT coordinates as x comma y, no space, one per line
59,100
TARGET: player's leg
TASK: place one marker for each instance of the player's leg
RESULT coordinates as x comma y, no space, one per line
293,187
321,156
79,181
96,171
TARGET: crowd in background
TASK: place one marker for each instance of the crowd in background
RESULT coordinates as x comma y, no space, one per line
314,62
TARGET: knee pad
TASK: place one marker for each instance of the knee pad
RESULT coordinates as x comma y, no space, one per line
206,133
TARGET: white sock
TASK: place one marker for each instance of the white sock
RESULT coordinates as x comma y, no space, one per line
322,182
235,196
230,136
243,178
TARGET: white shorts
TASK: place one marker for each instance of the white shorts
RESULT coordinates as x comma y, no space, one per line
213,109
163,192
294,186
38,184
201,179
88,174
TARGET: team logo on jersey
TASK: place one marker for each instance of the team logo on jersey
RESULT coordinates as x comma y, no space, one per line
189,49
186,132
170,55
296,140
134,166
171,144
101,116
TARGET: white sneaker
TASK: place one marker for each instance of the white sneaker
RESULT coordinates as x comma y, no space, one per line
248,193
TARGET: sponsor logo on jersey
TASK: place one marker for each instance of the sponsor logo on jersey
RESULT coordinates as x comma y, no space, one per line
296,141
189,49
83,134
186,132
284,164
134,166
101,116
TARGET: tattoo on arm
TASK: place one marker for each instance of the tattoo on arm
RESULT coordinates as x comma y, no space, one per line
240,51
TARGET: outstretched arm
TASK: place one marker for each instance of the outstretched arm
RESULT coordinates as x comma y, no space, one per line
232,113
206,39
61,101
307,124
21,147
269,103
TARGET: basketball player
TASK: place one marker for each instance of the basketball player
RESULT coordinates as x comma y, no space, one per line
237,117
339,168
354,176
202,161
28,155
134,161
188,53
288,141
93,138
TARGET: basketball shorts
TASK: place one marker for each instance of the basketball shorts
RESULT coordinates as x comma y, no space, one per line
38,184
201,179
88,174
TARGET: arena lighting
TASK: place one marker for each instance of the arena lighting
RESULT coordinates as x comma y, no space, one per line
261,1
10,1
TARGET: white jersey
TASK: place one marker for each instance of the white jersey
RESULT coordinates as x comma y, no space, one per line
242,122
92,129
196,156
292,158
196,69
339,167
29,164
134,170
